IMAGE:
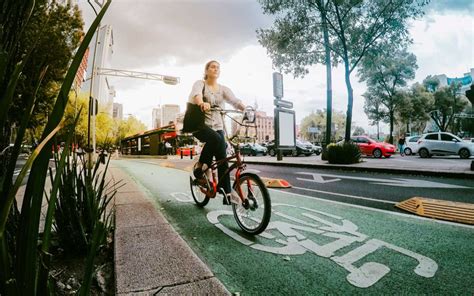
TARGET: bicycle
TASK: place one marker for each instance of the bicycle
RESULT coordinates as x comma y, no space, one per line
253,212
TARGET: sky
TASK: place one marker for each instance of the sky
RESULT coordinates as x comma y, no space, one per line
177,38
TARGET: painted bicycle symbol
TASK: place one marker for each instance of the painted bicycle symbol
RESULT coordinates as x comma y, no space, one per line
341,232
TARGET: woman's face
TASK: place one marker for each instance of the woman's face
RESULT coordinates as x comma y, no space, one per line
213,70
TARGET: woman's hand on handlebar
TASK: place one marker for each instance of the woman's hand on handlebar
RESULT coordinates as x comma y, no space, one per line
205,106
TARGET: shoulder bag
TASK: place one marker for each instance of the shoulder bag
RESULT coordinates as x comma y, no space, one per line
194,118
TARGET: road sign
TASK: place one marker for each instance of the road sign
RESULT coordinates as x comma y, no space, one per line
277,85
283,104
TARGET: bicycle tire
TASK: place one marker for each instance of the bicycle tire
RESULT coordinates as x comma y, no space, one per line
200,198
242,215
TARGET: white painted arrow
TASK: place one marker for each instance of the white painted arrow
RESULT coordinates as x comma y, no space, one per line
399,182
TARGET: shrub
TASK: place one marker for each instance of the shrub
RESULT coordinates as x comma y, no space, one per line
346,153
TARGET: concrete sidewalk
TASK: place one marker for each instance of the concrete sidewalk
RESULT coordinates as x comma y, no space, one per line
150,257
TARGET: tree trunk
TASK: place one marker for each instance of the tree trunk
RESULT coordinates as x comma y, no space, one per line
378,130
328,79
391,127
350,99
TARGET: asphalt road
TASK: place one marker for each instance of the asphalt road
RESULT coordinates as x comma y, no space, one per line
376,190
315,244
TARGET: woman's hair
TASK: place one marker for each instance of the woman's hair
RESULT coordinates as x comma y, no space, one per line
207,67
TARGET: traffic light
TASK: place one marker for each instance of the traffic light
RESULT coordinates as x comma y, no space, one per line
470,94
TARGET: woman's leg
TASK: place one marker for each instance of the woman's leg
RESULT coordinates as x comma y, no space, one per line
221,149
211,138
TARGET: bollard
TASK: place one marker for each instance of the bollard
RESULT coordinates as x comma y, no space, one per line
181,152
191,153
472,165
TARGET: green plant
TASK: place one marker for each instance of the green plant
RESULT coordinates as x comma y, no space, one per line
19,261
346,153
82,203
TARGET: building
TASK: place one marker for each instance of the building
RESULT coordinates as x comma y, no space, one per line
466,80
156,118
169,112
101,88
118,111
164,115
264,132
81,72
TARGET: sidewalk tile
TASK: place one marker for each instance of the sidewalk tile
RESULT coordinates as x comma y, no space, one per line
151,257
137,214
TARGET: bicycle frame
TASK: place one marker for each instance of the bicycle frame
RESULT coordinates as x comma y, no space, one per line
238,165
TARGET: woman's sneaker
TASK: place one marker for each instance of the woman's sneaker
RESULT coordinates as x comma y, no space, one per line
198,173
234,197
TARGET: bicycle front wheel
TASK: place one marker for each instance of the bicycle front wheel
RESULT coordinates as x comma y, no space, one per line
253,215
199,193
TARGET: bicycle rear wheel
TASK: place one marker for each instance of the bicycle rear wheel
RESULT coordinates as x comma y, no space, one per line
252,216
200,197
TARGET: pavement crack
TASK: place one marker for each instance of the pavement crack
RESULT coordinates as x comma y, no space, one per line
183,283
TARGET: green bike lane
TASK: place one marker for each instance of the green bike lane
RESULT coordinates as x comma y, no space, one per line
314,246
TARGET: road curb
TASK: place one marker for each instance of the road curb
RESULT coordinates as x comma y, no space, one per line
149,255
460,175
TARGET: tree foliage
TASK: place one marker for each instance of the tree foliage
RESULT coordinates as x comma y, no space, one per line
447,103
386,69
355,26
318,119
55,32
109,131
414,109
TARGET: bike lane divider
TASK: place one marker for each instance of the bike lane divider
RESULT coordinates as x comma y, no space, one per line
316,246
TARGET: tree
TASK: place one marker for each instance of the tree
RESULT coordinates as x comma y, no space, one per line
386,70
128,127
318,119
358,131
374,110
54,32
289,51
447,103
415,107
354,27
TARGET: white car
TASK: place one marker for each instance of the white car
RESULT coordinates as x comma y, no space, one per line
442,143
411,144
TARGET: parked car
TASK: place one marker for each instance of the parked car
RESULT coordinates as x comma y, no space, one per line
314,148
411,144
252,149
303,147
299,149
442,143
371,147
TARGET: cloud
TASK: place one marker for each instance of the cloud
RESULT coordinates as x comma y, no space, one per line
447,6
180,32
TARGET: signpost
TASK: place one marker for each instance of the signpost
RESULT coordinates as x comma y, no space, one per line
284,117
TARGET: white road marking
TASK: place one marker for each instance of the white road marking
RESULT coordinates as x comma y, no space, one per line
345,195
374,209
399,182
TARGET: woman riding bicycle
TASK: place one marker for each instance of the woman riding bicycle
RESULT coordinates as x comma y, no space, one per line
213,133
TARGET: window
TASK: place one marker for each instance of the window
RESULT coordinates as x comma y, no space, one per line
414,139
431,137
363,140
446,137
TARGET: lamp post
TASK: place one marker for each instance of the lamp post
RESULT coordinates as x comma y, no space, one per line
92,105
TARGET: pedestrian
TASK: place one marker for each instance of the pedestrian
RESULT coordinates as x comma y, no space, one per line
401,144
206,93
169,149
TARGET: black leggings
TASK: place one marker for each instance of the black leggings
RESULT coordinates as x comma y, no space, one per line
215,146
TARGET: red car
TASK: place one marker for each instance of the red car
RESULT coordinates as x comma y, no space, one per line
371,147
